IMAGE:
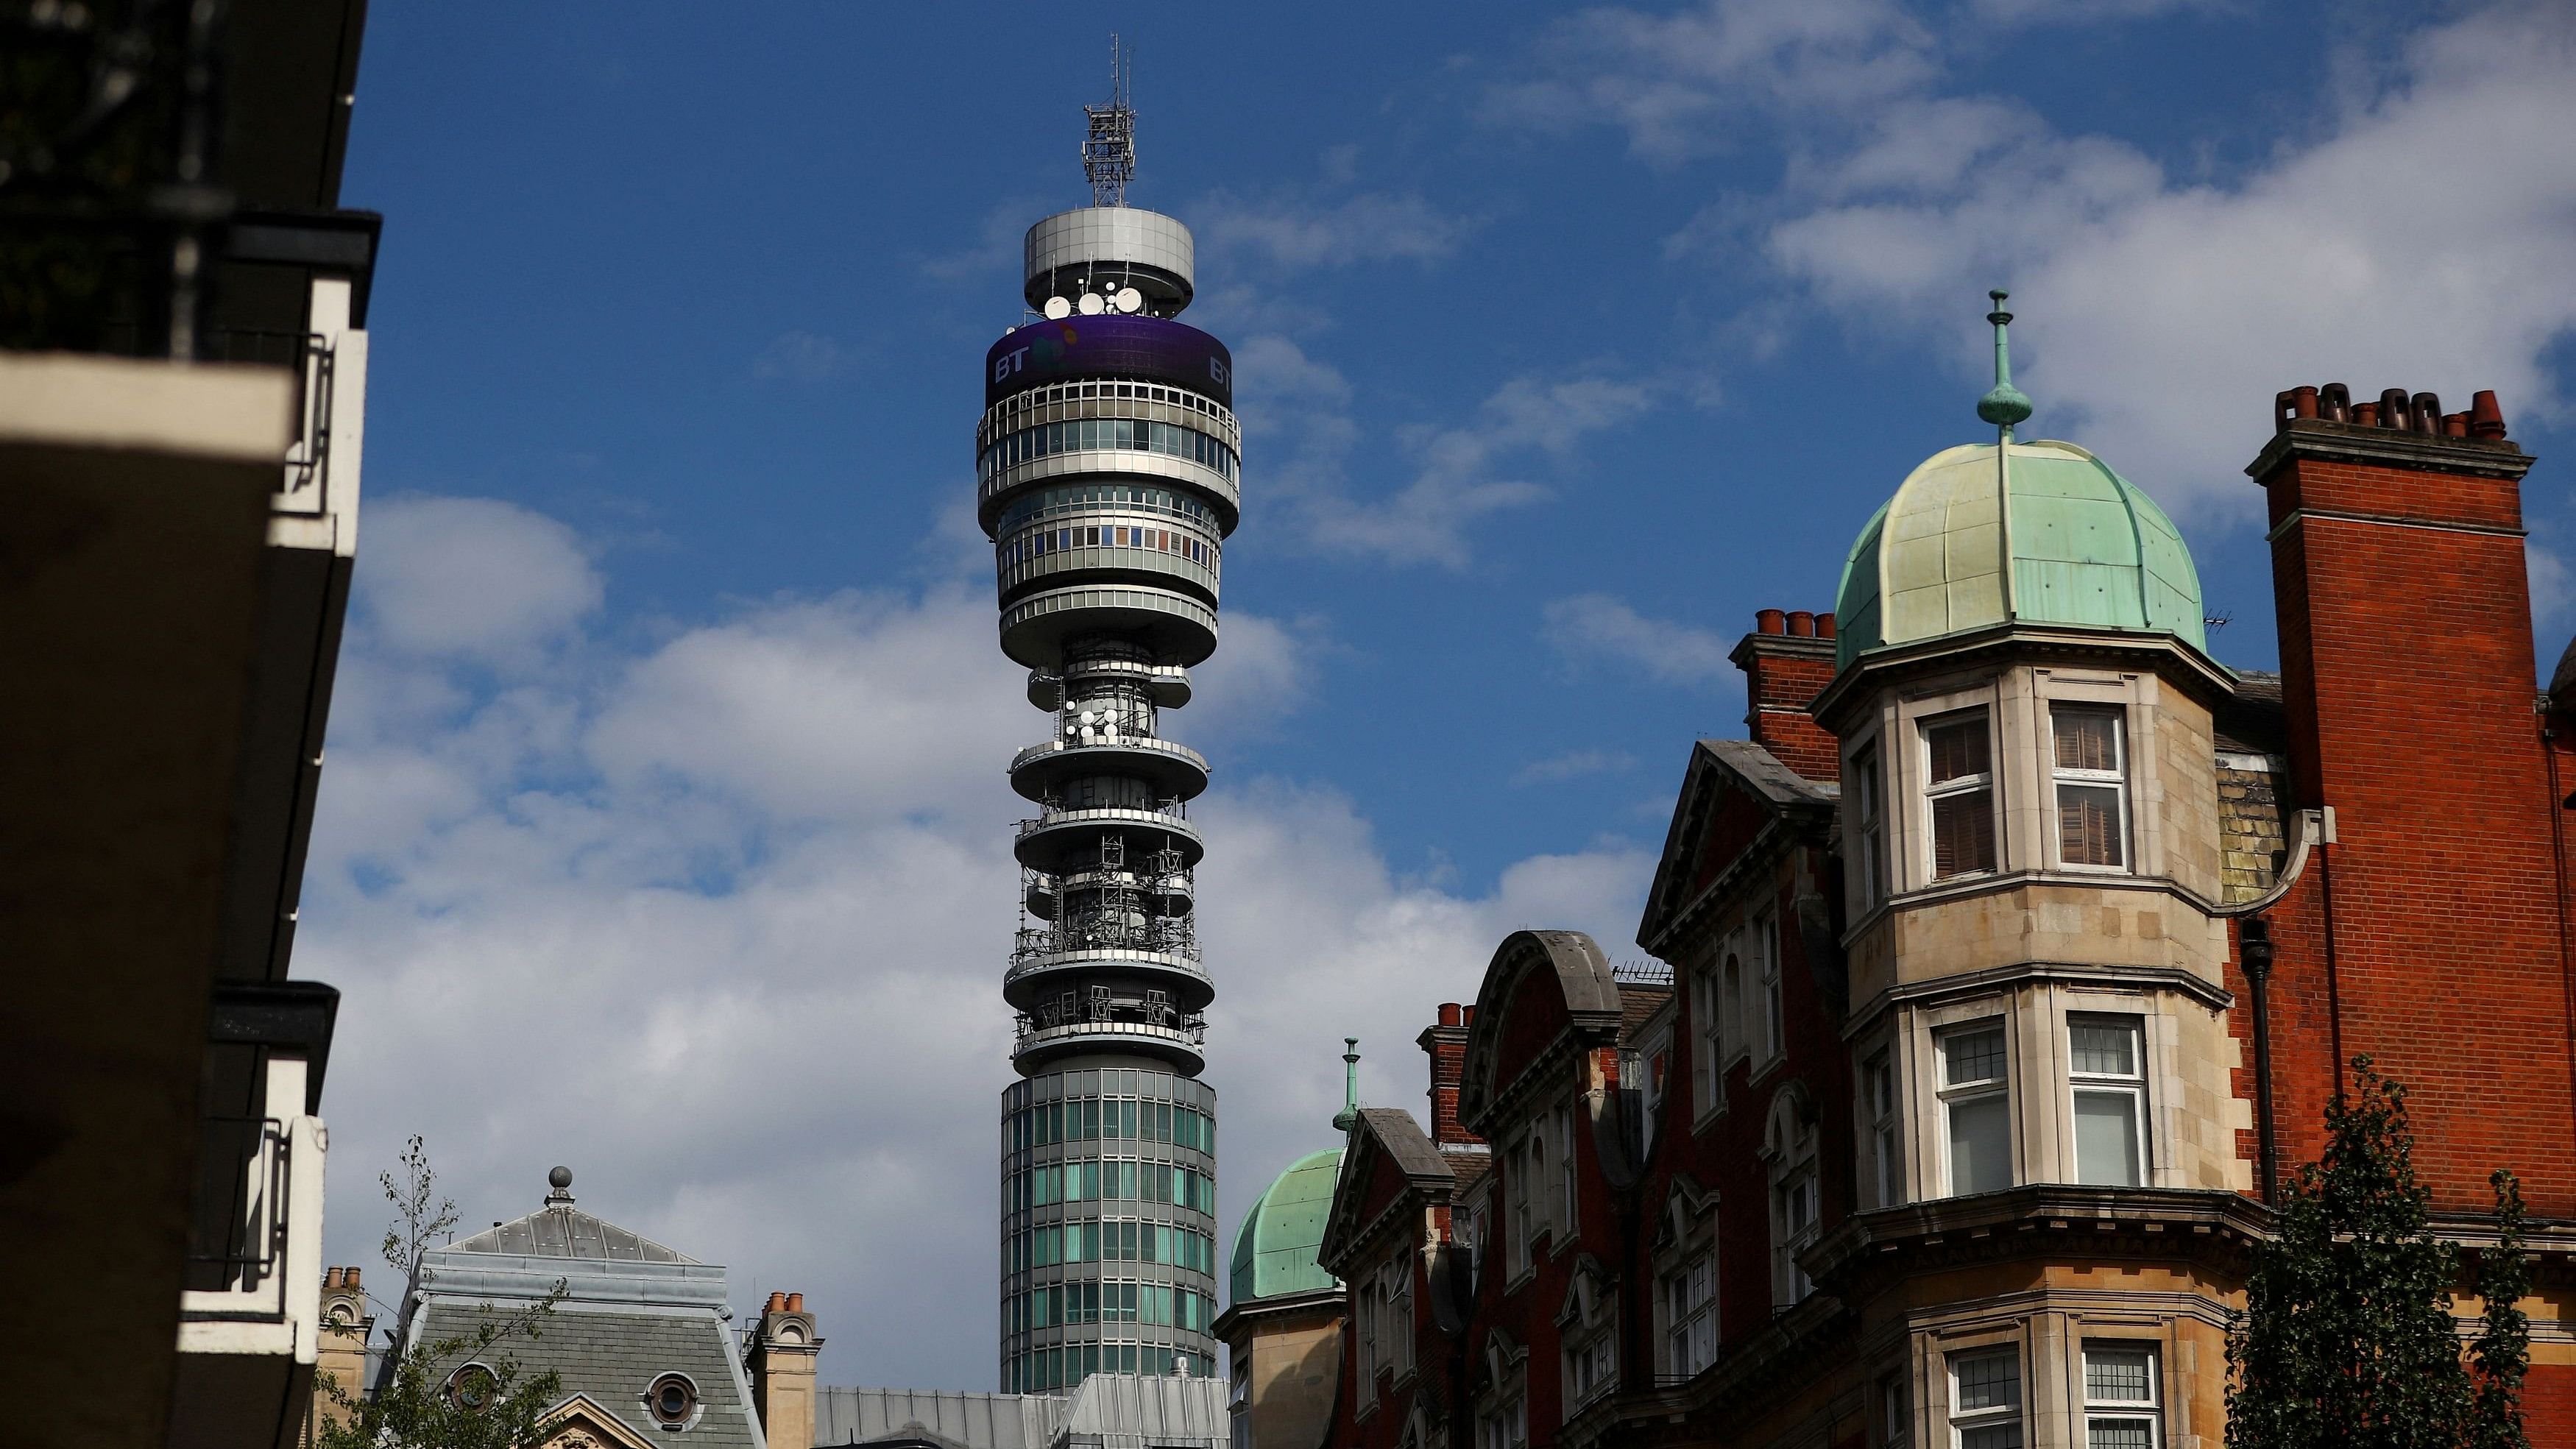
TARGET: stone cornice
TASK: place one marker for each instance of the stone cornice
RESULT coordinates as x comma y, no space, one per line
2016,642
2209,1226
2389,448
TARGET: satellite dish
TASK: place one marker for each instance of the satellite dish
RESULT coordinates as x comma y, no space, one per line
1091,304
1129,300
1057,309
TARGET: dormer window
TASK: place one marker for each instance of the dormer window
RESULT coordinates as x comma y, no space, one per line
2091,774
1959,787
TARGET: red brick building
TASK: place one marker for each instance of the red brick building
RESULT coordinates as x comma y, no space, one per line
1955,1118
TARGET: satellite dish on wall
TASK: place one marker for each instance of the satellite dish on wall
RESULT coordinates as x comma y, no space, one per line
1057,309
1129,300
1090,304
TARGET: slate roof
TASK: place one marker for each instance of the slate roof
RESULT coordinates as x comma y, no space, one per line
1638,1003
561,1230
614,1356
2251,723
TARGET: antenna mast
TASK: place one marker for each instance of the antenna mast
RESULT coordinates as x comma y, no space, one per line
1109,151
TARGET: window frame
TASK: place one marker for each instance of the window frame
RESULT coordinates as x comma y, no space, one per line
2061,778
1690,1315
1964,1422
2132,1086
1708,1048
1952,1095
1869,820
1765,945
1883,1104
2149,1410
1986,782
1569,1181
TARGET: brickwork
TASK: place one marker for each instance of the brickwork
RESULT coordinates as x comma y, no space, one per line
1784,671
2430,937
1446,1045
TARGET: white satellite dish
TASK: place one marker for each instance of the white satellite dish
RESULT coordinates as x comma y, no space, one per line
1057,309
1129,300
1090,304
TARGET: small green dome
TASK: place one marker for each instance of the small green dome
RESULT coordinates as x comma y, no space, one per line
1274,1250
2087,548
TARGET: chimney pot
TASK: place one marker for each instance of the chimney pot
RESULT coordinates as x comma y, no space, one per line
349,1277
1449,1013
1770,621
2365,415
777,1303
795,1302
1466,1016
2455,425
2427,414
1824,626
2334,403
1802,625
2392,407
330,1279
2486,420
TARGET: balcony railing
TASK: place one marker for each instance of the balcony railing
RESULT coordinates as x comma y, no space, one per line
267,1255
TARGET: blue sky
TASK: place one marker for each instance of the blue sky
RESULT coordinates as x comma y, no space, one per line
667,766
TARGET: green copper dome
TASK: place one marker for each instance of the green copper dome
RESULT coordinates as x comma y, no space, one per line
2040,533
1274,1250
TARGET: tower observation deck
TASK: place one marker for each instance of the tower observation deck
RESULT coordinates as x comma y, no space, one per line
1107,478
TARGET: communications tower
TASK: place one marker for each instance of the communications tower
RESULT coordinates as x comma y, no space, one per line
1106,468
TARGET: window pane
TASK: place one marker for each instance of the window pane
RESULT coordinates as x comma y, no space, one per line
1988,1381
2116,1377
1958,748
2088,825
1981,1144
2106,1138
1973,1056
1991,1436
2105,1049
2087,740
2119,1434
1963,833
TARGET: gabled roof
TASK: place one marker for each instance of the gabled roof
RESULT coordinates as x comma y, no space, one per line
1386,1134
1719,769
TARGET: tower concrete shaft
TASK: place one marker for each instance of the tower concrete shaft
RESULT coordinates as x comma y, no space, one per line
1108,482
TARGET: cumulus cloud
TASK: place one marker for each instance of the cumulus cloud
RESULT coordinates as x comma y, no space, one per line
2157,316
471,578
1593,629
798,357
720,923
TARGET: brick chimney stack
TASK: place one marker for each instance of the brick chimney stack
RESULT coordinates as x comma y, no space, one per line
781,1364
1787,661
2409,696
1446,1045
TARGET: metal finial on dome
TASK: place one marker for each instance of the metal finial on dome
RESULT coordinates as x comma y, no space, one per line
561,1181
1349,1116
2004,404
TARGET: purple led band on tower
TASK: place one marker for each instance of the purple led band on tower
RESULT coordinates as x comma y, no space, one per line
1142,349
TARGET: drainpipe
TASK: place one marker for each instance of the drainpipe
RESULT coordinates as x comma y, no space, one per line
2254,952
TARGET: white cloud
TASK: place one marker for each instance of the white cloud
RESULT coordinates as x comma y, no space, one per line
1573,765
2418,239
720,925
1590,629
471,578
1295,232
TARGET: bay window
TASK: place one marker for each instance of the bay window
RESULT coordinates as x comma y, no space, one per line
2089,764
1886,1144
1985,1400
1976,1105
1871,815
2119,1396
1959,787
2110,1090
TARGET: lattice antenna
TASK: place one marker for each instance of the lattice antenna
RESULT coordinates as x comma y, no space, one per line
1109,151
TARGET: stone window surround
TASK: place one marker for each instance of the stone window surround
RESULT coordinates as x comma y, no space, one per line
2050,1333
1792,1147
1688,1231
1589,1313
2039,1078
1505,1384
2017,699
1726,1003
